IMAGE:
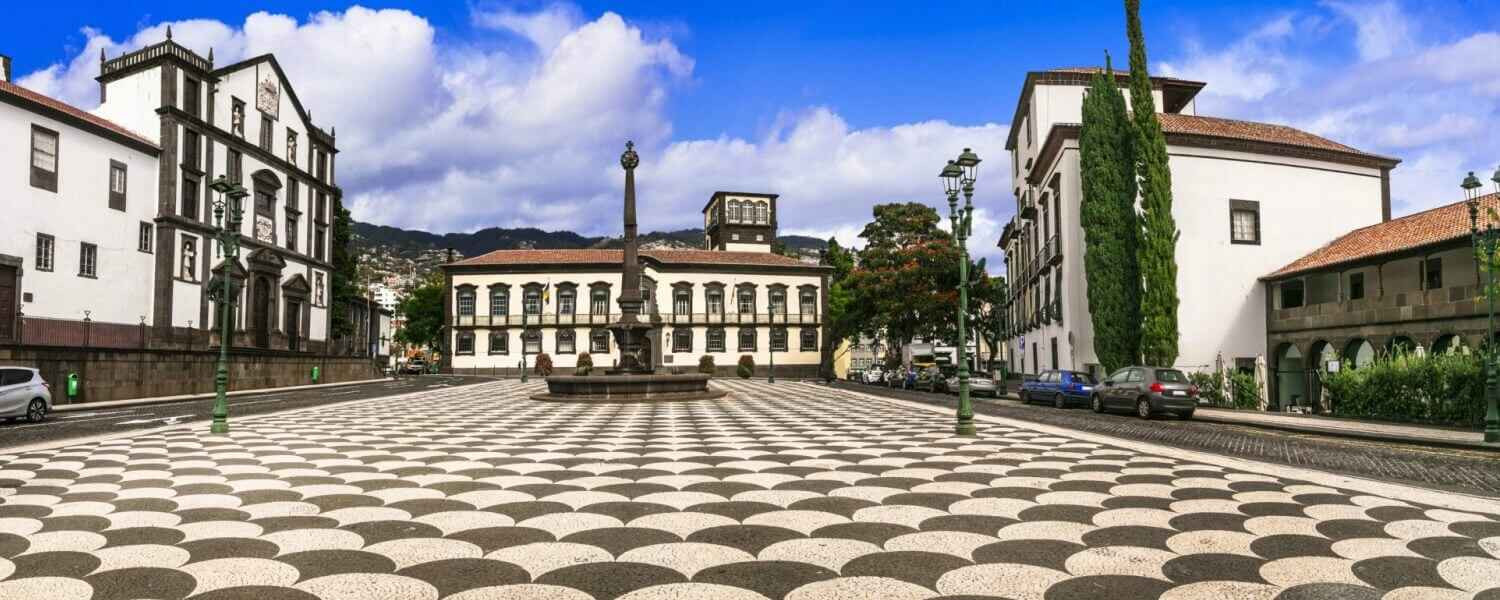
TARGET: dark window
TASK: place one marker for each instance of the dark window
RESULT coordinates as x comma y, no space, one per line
499,342
291,231
190,96
1432,278
1171,376
599,341
565,341
190,196
531,302
117,185
747,339
1356,286
599,302
566,302
147,234
747,300
716,302
88,260
190,146
531,342
44,251
267,131
466,304
293,195
320,211
1291,293
236,166
716,340
778,340
682,301
322,166
465,342
809,340
809,302
1054,353
682,340
318,243
43,158
778,302
1244,222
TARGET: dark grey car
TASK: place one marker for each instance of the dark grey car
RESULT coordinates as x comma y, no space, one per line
1147,391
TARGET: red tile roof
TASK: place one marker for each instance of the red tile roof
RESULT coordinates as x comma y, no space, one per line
1249,130
1441,224
614,257
72,111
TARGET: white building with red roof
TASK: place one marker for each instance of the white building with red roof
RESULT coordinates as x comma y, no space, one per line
1248,199
111,215
733,297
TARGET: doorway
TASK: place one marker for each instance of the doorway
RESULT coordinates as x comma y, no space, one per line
293,325
260,311
7,302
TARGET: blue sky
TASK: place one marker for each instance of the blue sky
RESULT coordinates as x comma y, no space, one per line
513,113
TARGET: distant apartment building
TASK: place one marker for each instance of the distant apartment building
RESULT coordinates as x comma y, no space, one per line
1248,198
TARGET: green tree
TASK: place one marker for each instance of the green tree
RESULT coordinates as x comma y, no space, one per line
423,309
905,279
1111,227
844,315
1158,247
987,297
345,273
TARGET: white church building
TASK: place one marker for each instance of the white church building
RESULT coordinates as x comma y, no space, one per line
110,215
1248,198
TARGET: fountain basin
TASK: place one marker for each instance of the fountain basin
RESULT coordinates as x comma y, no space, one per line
628,388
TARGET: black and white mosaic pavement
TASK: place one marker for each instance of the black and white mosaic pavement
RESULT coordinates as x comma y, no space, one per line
787,491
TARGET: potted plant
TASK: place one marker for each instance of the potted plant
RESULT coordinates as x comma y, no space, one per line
543,365
706,365
585,364
746,366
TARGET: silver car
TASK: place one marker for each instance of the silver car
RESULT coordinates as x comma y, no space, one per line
979,385
24,394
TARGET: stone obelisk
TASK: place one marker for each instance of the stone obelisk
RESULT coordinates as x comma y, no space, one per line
629,330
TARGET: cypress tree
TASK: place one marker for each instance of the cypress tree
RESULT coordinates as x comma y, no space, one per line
1158,247
1111,227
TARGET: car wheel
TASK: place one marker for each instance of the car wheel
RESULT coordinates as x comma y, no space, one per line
1098,403
1143,408
1186,414
1058,401
36,412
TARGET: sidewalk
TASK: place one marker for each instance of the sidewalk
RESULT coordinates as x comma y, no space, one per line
164,399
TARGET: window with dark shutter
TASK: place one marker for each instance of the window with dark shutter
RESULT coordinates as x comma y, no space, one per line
43,158
117,185
190,147
682,340
190,102
809,340
190,196
267,131
44,251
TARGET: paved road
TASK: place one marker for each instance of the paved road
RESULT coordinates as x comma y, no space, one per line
1473,472
77,424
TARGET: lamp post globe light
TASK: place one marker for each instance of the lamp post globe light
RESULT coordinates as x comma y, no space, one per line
228,214
959,175
1486,242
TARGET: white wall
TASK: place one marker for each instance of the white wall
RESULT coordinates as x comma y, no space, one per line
131,102
78,212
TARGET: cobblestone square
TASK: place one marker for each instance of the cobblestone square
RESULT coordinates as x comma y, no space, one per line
777,491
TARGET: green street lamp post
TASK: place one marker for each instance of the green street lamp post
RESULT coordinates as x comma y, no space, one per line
227,217
959,175
1486,243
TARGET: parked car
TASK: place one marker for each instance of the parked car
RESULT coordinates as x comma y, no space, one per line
979,385
24,394
415,366
937,378
1060,388
855,375
1146,391
874,375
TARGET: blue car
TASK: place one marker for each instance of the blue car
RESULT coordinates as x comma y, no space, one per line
1059,388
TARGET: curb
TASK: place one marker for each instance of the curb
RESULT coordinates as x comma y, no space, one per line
58,408
1353,434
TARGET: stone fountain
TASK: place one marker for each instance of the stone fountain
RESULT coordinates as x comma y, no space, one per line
632,380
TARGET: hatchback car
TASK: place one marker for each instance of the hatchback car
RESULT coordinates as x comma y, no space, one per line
24,394
416,366
1147,391
979,385
874,375
1060,388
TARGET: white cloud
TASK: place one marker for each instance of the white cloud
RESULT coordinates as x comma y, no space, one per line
1251,68
1382,29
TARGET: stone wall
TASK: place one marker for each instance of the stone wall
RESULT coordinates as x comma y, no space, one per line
123,374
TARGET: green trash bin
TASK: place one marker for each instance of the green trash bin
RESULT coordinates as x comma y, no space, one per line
316,372
72,388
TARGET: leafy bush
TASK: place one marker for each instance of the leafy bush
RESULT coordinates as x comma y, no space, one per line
1210,388
746,366
1445,388
706,364
1246,395
543,365
585,364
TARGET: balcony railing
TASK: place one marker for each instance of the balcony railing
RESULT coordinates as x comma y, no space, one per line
1028,210
669,318
1054,250
164,48
1463,301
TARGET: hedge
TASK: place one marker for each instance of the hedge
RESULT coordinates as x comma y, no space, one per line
1443,388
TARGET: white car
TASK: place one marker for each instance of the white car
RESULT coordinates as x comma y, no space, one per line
24,394
874,375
